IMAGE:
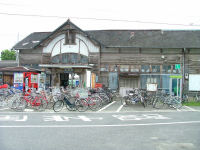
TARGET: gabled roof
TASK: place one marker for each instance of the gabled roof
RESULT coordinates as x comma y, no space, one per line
31,40
123,38
148,38
37,38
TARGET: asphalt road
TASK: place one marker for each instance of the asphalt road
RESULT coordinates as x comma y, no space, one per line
101,130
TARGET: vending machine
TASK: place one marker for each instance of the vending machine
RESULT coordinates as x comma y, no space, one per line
18,81
30,81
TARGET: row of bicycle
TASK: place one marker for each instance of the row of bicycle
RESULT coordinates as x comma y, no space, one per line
159,99
55,98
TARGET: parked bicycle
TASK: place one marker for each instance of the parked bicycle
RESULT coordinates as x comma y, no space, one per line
133,96
78,104
165,100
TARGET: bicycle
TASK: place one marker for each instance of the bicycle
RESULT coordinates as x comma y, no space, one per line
36,100
79,104
167,100
133,96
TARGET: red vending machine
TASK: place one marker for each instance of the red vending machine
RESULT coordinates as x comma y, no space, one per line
30,81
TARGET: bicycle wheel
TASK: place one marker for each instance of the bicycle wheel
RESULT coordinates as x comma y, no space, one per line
2,102
143,102
36,103
94,103
176,103
58,105
20,104
124,101
81,105
158,103
43,104
71,107
50,103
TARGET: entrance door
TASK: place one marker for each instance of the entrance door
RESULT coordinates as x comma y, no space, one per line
113,80
176,86
128,82
8,79
64,79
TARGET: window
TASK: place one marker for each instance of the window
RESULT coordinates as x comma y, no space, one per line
104,68
70,37
165,82
145,68
156,68
135,69
84,59
145,79
56,59
176,68
113,68
166,69
74,58
65,58
124,68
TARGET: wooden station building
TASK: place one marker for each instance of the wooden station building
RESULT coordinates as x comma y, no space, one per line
116,58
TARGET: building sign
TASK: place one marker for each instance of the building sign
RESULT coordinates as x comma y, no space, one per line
176,76
68,70
178,66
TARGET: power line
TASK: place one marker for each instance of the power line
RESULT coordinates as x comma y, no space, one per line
9,4
97,19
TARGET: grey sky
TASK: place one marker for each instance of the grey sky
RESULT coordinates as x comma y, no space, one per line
14,28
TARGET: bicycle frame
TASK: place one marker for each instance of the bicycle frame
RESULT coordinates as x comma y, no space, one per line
32,101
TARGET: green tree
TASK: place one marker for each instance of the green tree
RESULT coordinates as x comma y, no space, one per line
8,55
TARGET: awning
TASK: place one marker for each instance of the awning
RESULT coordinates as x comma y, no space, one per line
19,69
63,66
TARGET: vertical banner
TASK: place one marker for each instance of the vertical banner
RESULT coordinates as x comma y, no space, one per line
41,81
93,80
88,77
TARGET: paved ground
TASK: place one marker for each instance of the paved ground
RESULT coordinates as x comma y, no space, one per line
101,130
113,127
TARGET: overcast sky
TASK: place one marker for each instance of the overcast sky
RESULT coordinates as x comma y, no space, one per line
137,14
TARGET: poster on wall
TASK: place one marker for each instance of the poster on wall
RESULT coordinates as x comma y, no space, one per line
18,77
41,79
34,78
152,87
194,82
1,78
48,80
18,81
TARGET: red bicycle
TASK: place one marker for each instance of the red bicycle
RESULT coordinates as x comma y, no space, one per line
37,101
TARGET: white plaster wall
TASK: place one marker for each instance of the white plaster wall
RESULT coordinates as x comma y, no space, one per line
69,48
49,47
83,45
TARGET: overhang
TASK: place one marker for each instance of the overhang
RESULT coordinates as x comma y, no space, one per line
64,66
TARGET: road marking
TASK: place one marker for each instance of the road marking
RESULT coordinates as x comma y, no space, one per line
13,118
68,118
118,110
190,108
4,108
28,110
96,126
106,106
139,117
